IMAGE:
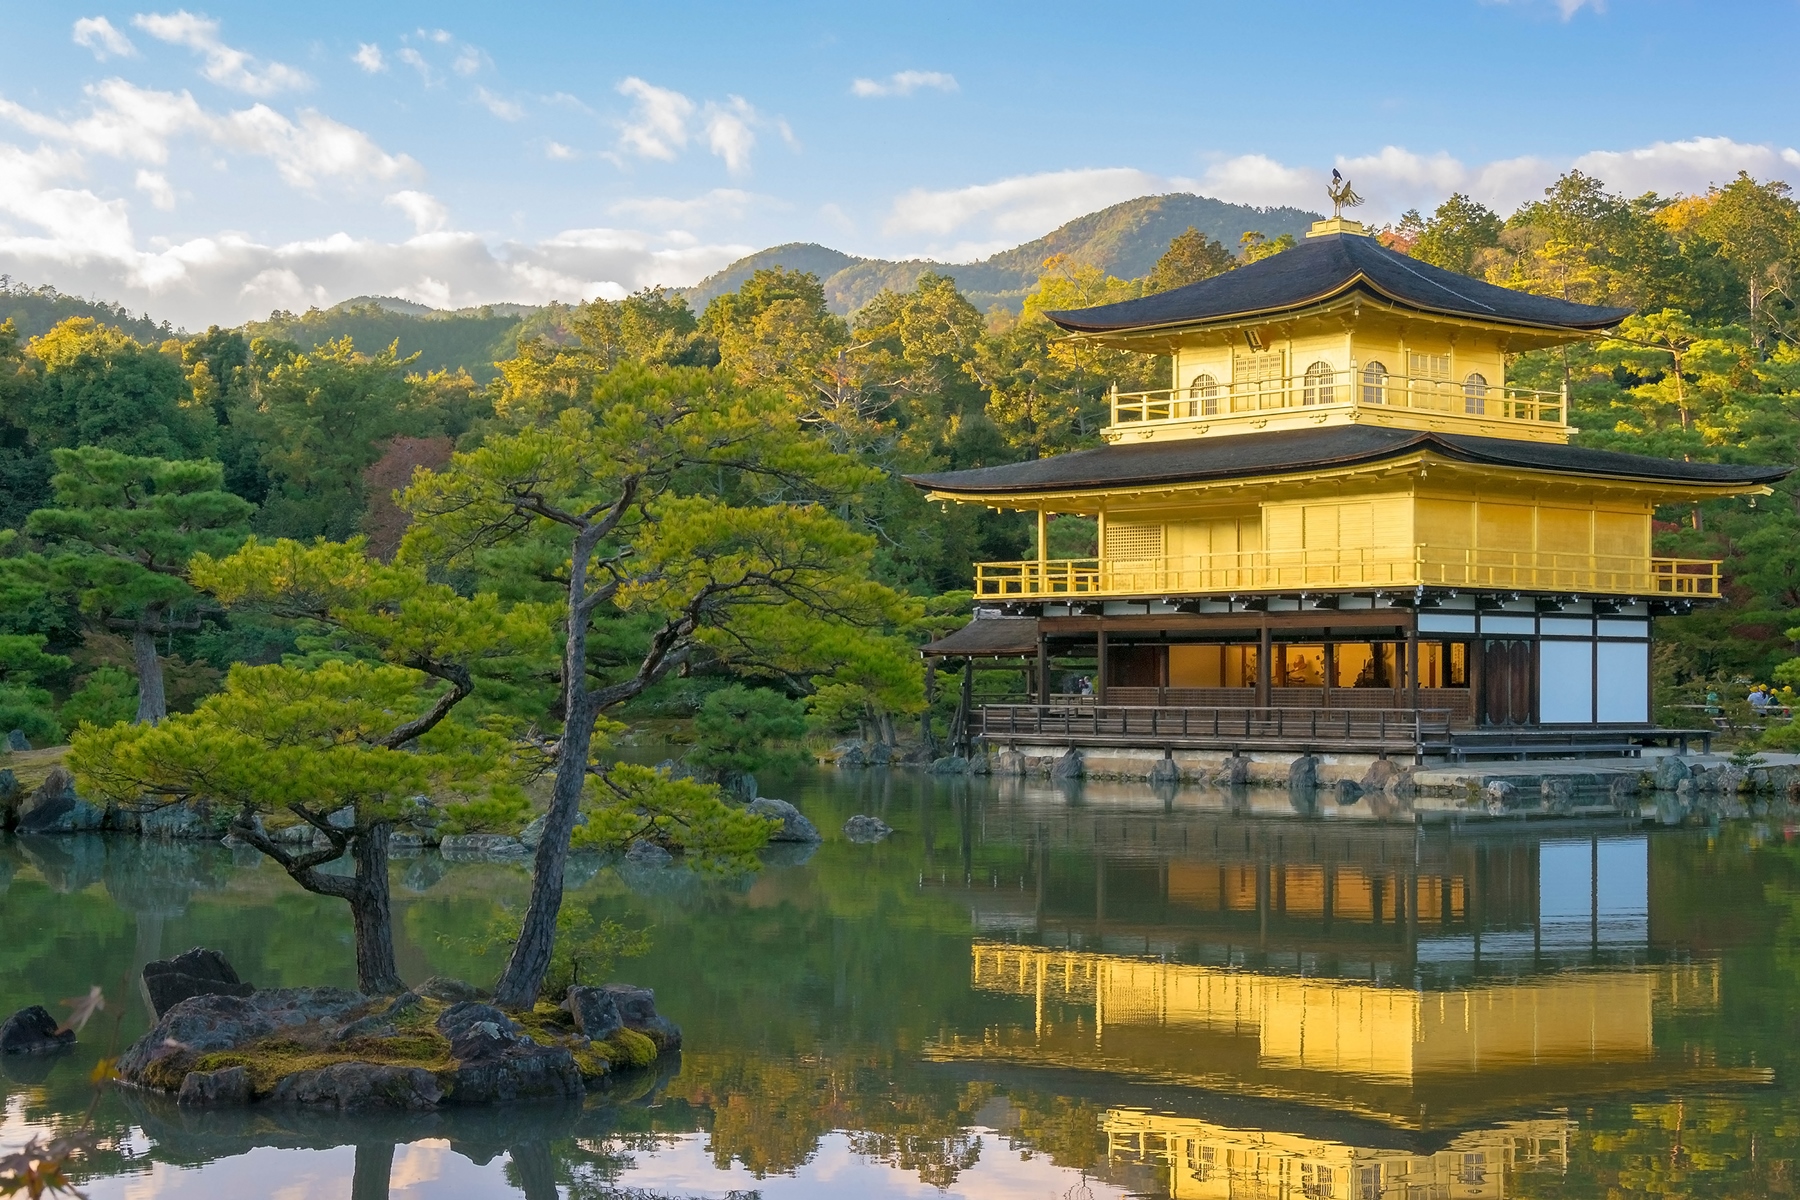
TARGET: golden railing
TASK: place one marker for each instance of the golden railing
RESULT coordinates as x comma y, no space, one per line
1336,390
1283,570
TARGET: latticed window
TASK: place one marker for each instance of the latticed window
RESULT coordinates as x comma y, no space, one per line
1133,543
1318,387
1374,382
1261,372
1428,366
1475,390
1203,392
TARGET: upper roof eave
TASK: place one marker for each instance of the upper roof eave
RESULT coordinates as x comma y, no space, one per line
1299,308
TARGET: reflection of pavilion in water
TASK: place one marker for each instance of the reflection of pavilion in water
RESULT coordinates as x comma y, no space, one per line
1200,1160
1425,980
1380,902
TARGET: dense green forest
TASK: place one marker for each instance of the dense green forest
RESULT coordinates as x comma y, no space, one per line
315,420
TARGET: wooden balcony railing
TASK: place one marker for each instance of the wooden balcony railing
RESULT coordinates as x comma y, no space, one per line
1347,568
1315,728
1472,400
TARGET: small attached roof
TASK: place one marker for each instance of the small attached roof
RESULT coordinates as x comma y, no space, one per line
987,637
1199,459
1323,268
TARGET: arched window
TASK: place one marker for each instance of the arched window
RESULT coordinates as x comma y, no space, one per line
1317,387
1374,383
1203,395
1475,389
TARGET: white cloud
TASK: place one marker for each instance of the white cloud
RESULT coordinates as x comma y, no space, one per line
1259,179
416,61
424,210
1026,205
903,83
468,61
155,185
1686,166
506,110
560,152
720,204
129,122
657,127
368,57
225,65
729,134
1567,8
99,35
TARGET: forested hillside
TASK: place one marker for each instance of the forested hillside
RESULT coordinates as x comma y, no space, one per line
1124,240
316,434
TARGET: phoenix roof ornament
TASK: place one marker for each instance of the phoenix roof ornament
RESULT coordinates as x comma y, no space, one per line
1342,194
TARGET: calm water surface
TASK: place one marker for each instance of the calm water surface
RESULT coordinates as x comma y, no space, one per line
1029,992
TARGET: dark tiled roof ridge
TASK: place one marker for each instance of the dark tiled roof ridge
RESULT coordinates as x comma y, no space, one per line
1243,455
1330,265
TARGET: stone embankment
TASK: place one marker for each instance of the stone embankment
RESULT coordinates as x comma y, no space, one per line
220,1042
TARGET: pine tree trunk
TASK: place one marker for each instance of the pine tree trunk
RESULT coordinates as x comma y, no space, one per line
372,915
518,985
152,705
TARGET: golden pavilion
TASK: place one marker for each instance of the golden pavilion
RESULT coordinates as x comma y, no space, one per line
1340,526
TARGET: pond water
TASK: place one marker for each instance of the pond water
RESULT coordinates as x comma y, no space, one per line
1027,991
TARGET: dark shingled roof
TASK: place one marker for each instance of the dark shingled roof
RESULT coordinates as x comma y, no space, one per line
1322,268
987,637
1189,460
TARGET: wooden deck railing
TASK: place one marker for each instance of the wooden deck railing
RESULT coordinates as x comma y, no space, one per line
1273,728
1351,567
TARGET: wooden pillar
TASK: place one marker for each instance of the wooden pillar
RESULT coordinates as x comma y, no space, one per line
1264,664
1043,549
1412,663
1043,671
1100,667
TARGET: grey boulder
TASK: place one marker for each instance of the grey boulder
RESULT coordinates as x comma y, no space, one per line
196,972
794,825
223,1088
33,1031
496,1062
202,1024
355,1087
16,740
596,1012
637,1010
864,829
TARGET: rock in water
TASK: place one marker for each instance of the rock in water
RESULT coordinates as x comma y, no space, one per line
865,829
215,1089
648,854
1069,766
1347,791
16,740
794,825
496,1062
55,808
1165,771
954,764
1670,772
353,1087
1303,774
483,847
197,972
596,1012
33,1031
202,1024
636,1007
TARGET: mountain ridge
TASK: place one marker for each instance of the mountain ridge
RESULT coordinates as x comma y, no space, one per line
1123,239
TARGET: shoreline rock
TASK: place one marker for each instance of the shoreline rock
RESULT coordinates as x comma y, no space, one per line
34,1031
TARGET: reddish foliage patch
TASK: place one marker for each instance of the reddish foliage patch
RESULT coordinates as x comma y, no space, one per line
385,522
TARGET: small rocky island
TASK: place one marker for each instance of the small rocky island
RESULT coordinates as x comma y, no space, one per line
219,1041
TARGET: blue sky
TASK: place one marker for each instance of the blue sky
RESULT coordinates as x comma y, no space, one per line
209,164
